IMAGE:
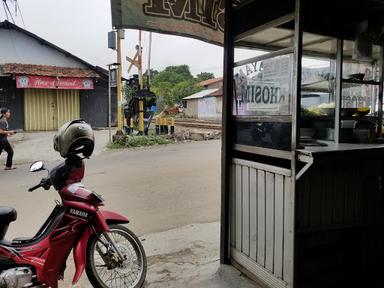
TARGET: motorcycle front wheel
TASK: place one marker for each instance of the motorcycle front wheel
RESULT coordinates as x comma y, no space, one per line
104,267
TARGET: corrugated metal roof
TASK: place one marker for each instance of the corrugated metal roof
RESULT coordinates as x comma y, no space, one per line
44,70
201,94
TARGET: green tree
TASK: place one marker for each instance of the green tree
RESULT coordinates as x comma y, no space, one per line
163,89
204,76
153,74
176,82
173,75
128,92
184,89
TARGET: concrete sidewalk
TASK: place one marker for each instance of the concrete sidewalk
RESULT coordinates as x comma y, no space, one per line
189,257
33,146
183,257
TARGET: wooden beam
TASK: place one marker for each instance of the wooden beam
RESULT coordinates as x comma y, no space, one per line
380,102
339,88
274,23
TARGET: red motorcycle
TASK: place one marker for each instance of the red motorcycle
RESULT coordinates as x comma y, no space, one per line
111,255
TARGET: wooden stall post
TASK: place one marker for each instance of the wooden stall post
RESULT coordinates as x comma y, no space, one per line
227,140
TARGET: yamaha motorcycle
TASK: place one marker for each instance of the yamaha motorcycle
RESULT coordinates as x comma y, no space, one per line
111,254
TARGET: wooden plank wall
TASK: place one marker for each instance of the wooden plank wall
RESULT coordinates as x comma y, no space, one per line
262,216
340,223
339,196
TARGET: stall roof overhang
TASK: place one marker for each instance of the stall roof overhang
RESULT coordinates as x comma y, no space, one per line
323,22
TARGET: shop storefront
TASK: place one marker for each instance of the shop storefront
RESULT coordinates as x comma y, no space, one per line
45,86
49,102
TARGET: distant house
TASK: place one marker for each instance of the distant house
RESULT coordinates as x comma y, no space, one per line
206,104
46,86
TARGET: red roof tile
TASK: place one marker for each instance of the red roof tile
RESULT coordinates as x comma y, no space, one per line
210,81
44,70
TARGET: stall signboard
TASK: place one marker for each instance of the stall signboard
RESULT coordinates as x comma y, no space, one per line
261,96
200,19
263,88
45,82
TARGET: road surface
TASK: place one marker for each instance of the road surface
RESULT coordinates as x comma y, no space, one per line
157,188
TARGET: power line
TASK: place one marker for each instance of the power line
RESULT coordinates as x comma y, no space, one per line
12,15
21,14
5,10
6,7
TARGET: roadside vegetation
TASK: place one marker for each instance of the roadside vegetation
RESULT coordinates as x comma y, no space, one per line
129,141
171,85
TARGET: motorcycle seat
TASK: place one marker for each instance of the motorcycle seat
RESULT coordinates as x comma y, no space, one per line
7,215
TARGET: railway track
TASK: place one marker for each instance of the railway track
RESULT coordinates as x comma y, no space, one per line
194,123
198,124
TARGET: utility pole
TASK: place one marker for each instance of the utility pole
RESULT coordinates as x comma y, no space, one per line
137,61
109,105
141,101
149,62
112,83
120,35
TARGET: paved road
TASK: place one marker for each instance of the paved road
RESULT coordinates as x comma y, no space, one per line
158,188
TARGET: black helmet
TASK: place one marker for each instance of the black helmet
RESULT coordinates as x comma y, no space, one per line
73,138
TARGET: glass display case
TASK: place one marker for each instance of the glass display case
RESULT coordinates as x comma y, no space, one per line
262,102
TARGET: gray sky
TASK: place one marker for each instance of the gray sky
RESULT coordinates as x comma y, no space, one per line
81,27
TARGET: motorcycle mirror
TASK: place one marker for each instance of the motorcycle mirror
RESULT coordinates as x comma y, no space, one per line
37,166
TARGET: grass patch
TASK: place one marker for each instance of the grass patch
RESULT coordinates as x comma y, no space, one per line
128,141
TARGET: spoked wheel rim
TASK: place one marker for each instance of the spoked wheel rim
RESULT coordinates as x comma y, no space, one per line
115,275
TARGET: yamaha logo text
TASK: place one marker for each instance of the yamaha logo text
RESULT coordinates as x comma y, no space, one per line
78,213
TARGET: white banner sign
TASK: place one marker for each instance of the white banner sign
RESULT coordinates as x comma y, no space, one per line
262,96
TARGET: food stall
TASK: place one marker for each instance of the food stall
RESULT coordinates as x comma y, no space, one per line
303,153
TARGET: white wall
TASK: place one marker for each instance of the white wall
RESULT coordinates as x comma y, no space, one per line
192,108
16,47
208,108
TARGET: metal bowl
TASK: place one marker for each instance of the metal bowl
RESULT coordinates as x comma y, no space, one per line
307,132
362,111
330,112
357,76
347,112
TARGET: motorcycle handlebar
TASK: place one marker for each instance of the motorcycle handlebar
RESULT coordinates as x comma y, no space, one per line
34,187
45,183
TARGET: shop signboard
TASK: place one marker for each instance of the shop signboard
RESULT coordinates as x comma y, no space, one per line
200,19
45,82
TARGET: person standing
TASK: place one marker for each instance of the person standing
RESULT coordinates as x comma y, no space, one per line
4,133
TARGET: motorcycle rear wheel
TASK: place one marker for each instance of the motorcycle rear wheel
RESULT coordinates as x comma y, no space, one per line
129,274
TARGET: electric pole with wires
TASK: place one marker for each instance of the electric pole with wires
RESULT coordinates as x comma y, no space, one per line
138,109
12,11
